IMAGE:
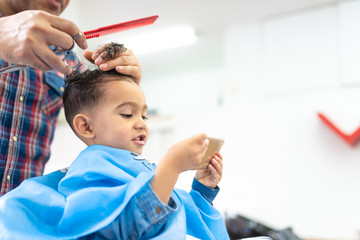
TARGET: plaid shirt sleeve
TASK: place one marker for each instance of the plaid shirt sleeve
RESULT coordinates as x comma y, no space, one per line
30,101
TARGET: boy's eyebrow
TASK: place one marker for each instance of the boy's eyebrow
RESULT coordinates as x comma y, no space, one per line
132,104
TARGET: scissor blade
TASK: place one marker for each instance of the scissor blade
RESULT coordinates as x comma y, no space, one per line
13,68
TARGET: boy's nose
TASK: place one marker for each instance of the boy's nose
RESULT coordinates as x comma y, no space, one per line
140,124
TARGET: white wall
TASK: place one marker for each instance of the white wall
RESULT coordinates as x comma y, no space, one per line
282,165
288,168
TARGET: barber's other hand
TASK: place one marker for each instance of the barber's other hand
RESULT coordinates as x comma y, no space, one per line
26,36
124,62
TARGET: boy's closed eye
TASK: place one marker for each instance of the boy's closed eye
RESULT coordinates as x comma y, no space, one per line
126,115
130,115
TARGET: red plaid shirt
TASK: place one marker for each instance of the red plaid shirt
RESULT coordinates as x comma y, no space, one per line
30,101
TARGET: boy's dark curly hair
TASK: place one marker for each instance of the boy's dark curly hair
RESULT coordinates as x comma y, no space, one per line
83,90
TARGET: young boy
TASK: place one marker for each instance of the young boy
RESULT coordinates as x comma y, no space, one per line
110,191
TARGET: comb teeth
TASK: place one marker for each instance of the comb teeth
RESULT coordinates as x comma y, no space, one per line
91,34
120,27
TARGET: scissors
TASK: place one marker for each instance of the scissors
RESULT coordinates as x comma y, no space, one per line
70,59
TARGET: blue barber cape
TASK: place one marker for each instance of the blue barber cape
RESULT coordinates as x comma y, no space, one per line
66,206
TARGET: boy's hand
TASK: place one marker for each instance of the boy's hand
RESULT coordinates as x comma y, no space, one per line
187,154
211,177
182,156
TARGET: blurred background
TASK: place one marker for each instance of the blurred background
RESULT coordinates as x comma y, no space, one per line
255,73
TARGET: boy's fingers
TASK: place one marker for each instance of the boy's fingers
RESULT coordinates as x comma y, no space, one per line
206,142
215,173
216,165
202,138
219,155
212,169
219,160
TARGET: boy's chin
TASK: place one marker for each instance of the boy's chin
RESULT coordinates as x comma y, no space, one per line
138,151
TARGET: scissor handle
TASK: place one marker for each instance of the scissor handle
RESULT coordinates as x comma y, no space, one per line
68,60
59,49
72,60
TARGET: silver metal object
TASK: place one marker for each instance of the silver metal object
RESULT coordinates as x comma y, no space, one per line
71,60
13,68
77,36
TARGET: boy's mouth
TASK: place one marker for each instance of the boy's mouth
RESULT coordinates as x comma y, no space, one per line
140,140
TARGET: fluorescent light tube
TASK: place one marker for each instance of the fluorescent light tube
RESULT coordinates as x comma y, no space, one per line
160,40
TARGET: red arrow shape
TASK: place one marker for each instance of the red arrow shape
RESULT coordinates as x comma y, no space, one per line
351,139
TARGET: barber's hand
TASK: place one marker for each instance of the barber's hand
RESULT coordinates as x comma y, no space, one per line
124,62
25,38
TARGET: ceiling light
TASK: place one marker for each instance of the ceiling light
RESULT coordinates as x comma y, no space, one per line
160,40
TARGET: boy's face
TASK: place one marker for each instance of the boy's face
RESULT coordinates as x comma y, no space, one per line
118,120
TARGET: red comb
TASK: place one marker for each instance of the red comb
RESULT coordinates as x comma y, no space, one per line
120,27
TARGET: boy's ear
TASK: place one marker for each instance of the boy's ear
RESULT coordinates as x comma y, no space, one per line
82,126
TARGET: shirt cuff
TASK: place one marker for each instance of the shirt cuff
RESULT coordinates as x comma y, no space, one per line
156,211
208,193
